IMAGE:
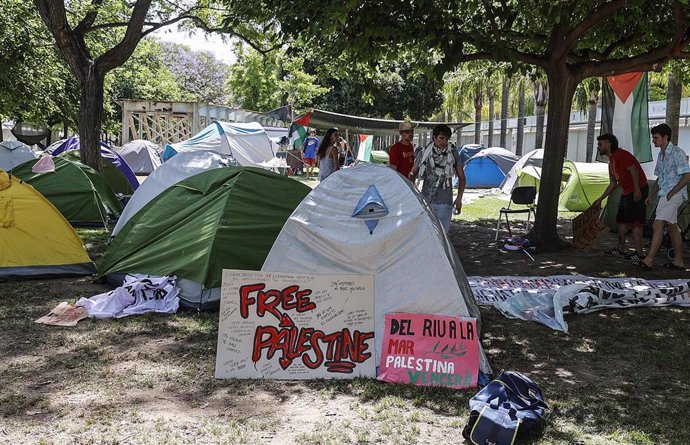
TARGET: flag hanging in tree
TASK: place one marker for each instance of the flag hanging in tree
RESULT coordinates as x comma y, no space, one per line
298,130
624,113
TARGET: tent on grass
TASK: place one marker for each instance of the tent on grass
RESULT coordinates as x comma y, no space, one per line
488,167
468,150
13,153
368,219
225,218
108,154
534,158
79,192
142,156
583,183
170,173
35,239
113,176
247,143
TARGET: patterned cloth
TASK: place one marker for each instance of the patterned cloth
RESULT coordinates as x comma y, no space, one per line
436,168
670,167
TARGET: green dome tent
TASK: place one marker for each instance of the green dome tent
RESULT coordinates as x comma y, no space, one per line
225,218
584,183
79,192
113,176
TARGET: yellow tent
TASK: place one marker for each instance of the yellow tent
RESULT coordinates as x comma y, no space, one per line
35,239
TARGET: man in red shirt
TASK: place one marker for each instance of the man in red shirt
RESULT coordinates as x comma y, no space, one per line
402,152
625,170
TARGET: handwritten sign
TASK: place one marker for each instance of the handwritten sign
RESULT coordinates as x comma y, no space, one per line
291,326
588,229
430,350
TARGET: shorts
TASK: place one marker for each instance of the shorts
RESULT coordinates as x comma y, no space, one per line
310,161
631,212
668,210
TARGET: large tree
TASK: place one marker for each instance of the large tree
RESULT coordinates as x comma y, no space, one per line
569,40
96,36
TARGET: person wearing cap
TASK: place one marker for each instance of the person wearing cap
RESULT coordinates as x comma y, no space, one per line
402,152
435,164
309,146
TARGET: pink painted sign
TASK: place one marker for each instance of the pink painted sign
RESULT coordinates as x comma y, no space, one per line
430,350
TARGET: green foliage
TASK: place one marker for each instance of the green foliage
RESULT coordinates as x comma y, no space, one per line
35,83
264,82
145,76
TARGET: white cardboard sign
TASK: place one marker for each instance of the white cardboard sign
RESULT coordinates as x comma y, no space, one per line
292,326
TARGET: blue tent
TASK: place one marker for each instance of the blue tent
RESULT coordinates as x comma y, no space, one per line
107,152
488,167
467,151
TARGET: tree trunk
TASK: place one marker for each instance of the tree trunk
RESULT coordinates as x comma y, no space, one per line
478,115
591,124
674,90
544,232
90,115
541,97
521,120
505,91
492,100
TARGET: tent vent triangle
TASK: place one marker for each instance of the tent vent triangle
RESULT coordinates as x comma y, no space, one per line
370,208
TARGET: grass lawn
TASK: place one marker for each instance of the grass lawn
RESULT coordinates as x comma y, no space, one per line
619,377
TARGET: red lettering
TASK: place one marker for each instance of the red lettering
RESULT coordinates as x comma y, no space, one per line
304,304
318,354
267,302
288,296
245,300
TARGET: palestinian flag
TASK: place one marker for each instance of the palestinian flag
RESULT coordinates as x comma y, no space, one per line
624,113
366,143
298,130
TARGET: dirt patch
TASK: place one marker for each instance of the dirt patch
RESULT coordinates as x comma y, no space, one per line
481,255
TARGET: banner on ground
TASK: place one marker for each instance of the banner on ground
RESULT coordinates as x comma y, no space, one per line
490,290
430,350
292,326
625,113
588,228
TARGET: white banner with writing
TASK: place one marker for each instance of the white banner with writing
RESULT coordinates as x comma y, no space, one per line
292,326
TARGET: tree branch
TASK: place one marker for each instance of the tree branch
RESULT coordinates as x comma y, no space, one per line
88,20
592,19
73,50
119,54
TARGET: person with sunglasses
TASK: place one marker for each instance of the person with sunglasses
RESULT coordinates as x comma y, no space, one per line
401,153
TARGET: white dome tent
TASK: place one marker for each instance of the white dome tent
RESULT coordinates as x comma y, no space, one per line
368,219
142,156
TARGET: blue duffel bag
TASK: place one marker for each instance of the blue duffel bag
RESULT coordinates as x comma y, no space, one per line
511,407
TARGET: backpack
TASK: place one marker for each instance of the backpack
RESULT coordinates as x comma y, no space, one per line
509,408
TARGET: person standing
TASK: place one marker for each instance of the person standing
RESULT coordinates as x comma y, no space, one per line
309,151
673,174
327,154
435,165
402,152
625,171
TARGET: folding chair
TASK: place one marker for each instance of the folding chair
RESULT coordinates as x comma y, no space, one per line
523,196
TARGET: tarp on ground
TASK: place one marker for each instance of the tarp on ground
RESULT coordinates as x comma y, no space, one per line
225,218
170,173
108,153
246,143
35,239
368,219
142,156
79,192
533,158
488,167
13,153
